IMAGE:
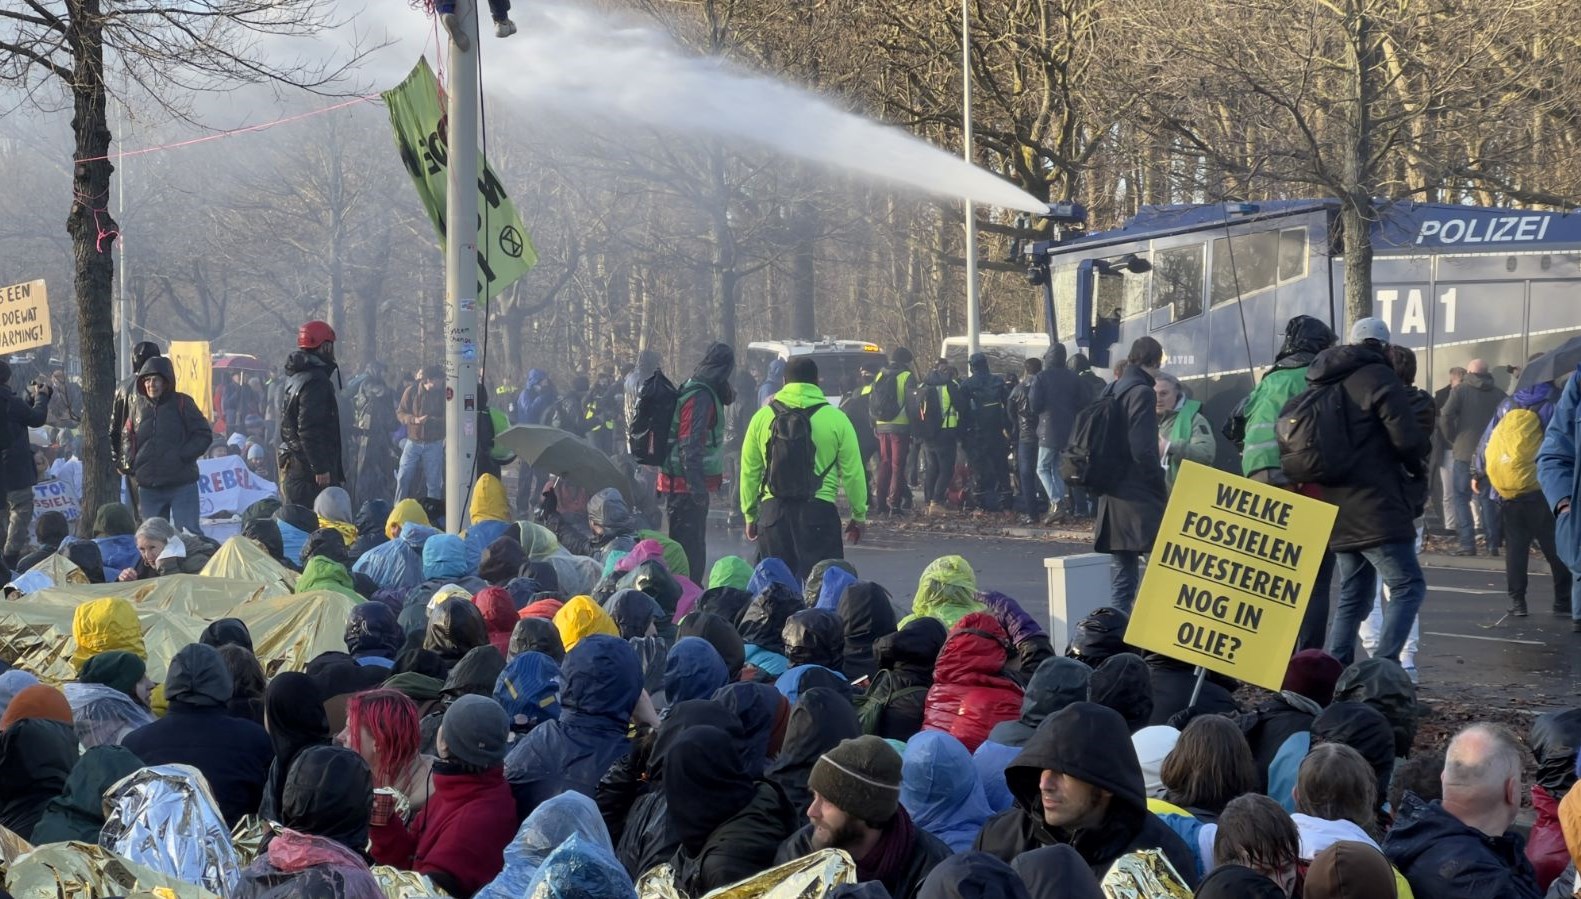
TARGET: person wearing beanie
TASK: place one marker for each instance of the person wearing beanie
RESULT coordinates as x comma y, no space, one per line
856,807
37,701
1350,870
1280,728
458,839
12,682
233,754
1078,782
891,496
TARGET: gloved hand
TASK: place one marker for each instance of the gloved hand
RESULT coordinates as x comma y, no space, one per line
853,533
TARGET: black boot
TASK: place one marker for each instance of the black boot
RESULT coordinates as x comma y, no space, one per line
1518,607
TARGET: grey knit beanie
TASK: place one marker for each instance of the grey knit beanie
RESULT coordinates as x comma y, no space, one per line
860,777
475,730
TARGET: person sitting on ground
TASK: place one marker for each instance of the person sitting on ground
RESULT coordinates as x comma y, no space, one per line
1209,766
333,508
1554,738
382,727
37,753
896,700
856,807
536,635
78,812
1365,730
113,529
295,719
1286,718
325,815
458,840
1057,683
49,529
1254,834
978,875
1335,803
248,683
162,551
1463,846
1349,870
941,790
970,692
611,525
1078,782
233,755
1124,682
567,816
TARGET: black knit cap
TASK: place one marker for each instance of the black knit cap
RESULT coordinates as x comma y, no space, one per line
861,777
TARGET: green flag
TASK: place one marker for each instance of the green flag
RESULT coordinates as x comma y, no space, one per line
505,252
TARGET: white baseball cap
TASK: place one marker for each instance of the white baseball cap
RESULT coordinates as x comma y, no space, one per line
1369,328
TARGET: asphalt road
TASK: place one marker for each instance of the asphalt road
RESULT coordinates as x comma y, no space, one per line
1469,648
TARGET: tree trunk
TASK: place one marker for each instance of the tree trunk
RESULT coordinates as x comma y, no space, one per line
1356,212
92,234
804,321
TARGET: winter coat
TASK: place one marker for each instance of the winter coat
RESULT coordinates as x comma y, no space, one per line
1553,741
1024,418
927,853
867,616
1270,726
758,706
1090,743
1556,469
418,401
1374,501
1057,683
458,838
78,812
1260,451
1199,447
602,682
1471,406
1172,682
819,721
835,452
1056,398
941,791
16,458
310,417
741,847
970,692
1539,398
1444,859
1129,516
36,759
693,669
1418,485
905,661
233,754
297,864
169,434
696,459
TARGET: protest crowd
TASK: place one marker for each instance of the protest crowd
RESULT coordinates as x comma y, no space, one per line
560,699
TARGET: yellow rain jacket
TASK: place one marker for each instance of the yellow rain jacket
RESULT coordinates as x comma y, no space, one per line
582,617
488,500
407,511
104,625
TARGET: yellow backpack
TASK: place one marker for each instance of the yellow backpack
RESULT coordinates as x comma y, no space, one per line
1511,454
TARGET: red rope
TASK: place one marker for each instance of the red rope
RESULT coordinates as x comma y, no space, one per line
232,132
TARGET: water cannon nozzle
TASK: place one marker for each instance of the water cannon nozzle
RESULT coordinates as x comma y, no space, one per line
1067,213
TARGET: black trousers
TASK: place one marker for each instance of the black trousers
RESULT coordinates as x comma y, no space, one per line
989,459
1528,518
800,534
689,527
297,486
940,468
1314,623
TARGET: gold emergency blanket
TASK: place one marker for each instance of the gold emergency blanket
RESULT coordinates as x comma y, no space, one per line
242,559
288,629
12,847
1145,874
398,884
164,817
84,871
249,836
809,877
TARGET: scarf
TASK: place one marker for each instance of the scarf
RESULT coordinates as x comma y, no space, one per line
892,853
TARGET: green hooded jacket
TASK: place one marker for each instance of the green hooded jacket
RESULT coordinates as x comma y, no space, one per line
78,812
324,573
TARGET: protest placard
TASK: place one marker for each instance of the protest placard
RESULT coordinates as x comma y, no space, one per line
56,496
24,317
226,484
1230,574
194,369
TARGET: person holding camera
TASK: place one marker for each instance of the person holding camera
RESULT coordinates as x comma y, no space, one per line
17,472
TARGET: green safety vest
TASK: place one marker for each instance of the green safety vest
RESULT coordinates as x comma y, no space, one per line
713,458
1180,431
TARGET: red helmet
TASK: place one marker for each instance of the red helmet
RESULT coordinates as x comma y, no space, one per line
314,334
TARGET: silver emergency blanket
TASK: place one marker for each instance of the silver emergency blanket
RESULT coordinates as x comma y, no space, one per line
1144,874
165,818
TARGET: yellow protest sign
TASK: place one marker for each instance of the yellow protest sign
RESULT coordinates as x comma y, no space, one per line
194,372
24,317
1228,579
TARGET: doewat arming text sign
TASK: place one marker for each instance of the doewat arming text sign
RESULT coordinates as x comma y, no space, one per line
1230,575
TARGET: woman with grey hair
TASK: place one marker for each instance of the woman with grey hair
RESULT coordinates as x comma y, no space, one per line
1183,431
163,551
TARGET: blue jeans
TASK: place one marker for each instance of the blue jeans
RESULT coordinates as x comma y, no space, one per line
1125,577
431,456
1048,473
1487,511
1358,585
177,504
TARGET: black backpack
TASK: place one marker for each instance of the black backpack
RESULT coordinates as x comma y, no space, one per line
791,471
881,694
1098,456
1315,444
930,412
648,432
884,403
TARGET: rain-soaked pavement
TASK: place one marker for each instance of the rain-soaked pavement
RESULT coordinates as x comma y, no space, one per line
1470,651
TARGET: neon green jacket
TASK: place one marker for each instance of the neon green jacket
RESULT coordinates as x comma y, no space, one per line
835,450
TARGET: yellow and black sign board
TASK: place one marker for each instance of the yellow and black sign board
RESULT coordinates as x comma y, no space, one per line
1230,575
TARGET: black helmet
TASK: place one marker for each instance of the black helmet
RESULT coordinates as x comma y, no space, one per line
1305,334
1099,636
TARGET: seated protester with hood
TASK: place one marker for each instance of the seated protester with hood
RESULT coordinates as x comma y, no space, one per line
232,754
611,525
1463,846
162,551
896,699
324,818
762,627
1078,782
248,683
266,533
1029,642
455,628
370,526
1172,683
502,561
49,529
728,824
536,635
37,753
1554,738
499,616
941,790
693,669
475,675
1057,683
721,635
491,517
867,616
1255,852
1286,717
458,840
333,508
1362,728
78,812
971,692
552,825
856,807
602,683
815,637
113,530
637,615
444,562
295,719
373,635
1123,683
85,555
528,689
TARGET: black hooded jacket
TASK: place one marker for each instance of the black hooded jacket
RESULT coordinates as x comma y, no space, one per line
729,825
1056,398
372,631
1555,737
1374,501
763,622
1124,683
169,435
310,417
370,524
36,758
295,718
502,561
455,628
537,635
1173,681
1056,684
1091,743
905,660
976,875
16,457
1270,724
819,721
814,637
867,616
718,632
328,794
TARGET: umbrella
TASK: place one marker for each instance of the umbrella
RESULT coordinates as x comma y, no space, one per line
1552,365
567,455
